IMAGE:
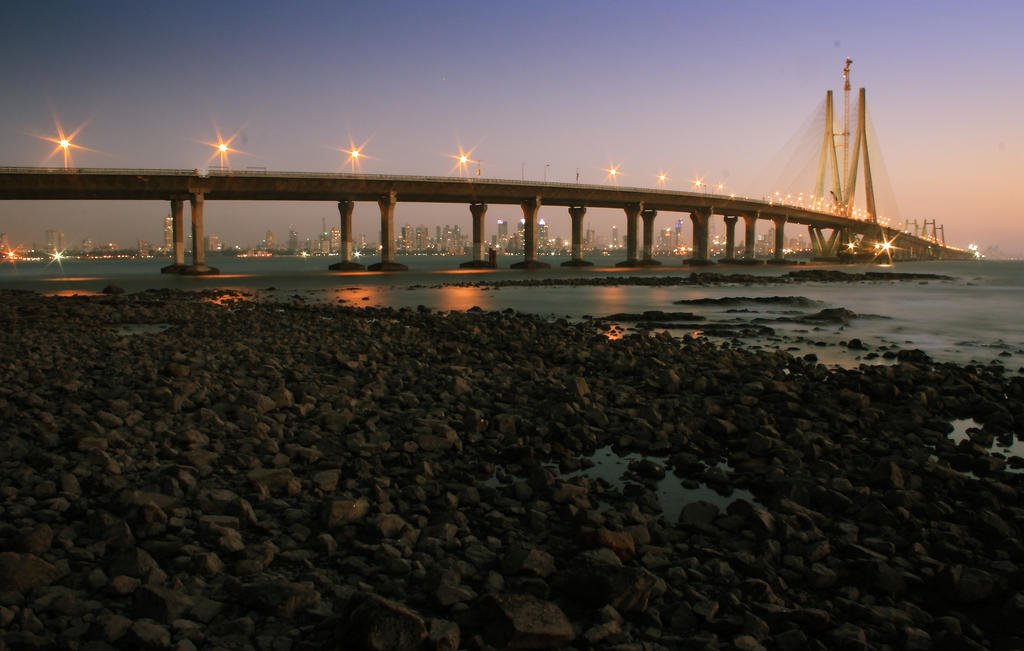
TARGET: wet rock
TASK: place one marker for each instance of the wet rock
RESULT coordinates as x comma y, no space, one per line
512,621
698,513
22,572
160,604
379,624
340,512
147,634
283,598
520,560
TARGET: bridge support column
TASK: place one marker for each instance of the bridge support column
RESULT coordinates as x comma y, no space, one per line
576,215
633,211
198,266
701,219
530,209
478,210
345,212
824,249
178,237
648,260
750,238
387,235
778,255
730,239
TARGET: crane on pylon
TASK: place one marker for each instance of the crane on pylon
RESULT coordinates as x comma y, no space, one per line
846,117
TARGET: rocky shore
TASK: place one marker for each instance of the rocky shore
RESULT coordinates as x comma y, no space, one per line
182,474
705,278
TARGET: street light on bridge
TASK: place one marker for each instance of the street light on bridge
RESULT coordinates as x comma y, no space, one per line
222,148
462,160
64,143
355,155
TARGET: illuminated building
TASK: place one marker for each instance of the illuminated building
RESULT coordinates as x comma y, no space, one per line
54,240
168,233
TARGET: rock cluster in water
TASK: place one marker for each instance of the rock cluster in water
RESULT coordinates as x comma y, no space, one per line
704,278
289,477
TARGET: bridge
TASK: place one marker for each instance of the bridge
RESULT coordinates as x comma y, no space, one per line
852,233
640,206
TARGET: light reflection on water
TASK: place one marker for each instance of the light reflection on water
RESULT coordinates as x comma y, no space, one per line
973,317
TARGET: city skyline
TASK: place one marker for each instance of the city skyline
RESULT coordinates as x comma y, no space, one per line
556,103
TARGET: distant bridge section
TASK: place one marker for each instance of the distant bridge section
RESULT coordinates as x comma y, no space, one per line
638,204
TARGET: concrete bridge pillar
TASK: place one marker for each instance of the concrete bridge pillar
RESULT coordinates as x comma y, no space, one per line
477,259
778,256
387,235
345,208
648,216
576,215
730,238
750,237
198,266
177,236
701,219
633,211
530,209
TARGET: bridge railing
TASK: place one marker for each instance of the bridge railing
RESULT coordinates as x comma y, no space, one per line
96,171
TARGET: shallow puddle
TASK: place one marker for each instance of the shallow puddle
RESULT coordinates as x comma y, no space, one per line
1009,446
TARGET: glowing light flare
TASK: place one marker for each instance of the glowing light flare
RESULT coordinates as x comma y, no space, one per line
462,160
613,173
356,155
222,147
64,142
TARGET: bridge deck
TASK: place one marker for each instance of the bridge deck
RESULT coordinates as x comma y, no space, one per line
168,184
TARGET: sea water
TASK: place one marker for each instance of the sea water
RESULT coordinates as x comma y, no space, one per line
972,316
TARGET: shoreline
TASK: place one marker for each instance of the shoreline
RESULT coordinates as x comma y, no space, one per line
284,475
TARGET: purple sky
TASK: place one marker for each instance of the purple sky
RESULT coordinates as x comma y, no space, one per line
711,90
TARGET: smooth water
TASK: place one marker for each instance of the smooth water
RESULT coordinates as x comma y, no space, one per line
971,317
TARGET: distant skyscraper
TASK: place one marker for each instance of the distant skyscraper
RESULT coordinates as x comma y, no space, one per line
269,242
168,232
88,246
335,238
502,238
212,243
5,245
615,235
542,234
293,241
54,240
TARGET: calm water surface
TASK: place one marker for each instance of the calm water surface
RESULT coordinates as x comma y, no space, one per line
973,316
